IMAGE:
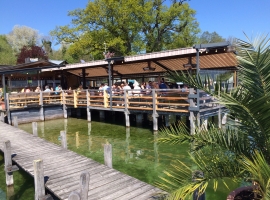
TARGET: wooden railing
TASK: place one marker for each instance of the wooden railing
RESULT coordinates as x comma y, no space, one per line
169,100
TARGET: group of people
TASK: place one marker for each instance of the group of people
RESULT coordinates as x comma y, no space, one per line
135,89
46,89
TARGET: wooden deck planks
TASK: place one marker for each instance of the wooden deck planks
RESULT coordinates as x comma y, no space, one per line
63,167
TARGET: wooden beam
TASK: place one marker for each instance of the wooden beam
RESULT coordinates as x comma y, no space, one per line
162,66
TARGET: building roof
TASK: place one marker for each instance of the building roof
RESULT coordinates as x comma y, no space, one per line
37,65
152,64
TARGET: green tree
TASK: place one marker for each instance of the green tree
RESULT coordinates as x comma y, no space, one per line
21,36
208,37
7,56
128,27
239,152
47,46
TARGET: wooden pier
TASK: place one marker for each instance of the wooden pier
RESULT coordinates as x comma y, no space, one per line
62,169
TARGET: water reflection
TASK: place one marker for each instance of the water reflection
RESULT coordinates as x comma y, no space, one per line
77,139
41,124
66,125
89,136
156,148
128,154
10,192
136,151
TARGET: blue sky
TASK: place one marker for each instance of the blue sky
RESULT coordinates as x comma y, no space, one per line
227,18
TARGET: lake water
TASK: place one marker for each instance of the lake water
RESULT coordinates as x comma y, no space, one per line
135,151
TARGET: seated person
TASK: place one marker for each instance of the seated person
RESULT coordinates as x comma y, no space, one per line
37,89
80,88
47,89
58,89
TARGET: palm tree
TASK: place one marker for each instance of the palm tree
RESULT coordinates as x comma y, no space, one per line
234,153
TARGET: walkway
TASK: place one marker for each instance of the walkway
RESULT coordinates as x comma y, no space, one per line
63,168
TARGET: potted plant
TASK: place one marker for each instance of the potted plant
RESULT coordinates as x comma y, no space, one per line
241,152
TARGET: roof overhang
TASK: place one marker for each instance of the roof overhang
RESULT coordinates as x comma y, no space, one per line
31,66
212,56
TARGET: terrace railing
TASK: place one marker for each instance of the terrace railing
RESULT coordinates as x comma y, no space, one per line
157,100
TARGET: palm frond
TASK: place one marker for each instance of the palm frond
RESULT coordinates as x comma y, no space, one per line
259,171
241,151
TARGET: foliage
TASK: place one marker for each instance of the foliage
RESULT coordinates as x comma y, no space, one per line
47,46
240,152
31,52
21,36
208,37
7,56
128,27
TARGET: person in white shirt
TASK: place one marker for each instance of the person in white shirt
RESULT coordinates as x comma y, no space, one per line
47,89
137,89
127,87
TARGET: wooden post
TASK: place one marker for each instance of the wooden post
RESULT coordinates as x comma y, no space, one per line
15,121
74,196
84,188
155,122
8,163
224,119
219,117
155,115
63,139
126,100
126,108
105,100
41,110
64,104
108,155
75,98
127,119
39,179
7,109
88,104
191,114
205,124
34,128
84,185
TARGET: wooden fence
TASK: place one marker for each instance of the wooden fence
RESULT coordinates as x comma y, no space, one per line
169,100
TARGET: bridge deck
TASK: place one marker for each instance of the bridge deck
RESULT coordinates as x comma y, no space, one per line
63,168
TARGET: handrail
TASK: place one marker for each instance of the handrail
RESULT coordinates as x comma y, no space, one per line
158,100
